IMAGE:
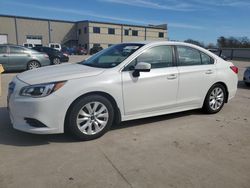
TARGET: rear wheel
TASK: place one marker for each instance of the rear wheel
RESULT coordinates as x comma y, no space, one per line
33,65
90,117
56,61
215,99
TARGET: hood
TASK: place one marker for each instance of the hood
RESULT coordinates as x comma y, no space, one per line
58,73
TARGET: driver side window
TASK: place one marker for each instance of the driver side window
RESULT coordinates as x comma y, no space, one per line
158,57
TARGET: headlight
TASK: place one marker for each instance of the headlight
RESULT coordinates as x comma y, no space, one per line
41,90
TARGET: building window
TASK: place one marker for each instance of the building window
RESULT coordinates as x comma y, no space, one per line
134,33
34,37
85,30
79,31
86,46
111,31
161,35
96,45
126,32
96,30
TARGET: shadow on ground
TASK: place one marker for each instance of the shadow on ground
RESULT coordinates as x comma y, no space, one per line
242,85
10,136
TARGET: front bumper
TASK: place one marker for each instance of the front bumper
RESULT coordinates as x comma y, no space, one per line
46,110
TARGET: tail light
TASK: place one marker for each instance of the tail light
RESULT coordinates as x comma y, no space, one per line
235,69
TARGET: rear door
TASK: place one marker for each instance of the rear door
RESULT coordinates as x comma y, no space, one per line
18,57
197,73
4,57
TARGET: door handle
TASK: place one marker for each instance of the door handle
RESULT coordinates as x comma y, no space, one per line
209,72
171,76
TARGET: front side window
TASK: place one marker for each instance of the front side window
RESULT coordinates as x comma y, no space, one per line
16,50
96,30
158,57
188,56
111,31
134,33
113,56
3,49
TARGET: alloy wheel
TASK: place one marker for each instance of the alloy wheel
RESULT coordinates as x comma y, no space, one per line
216,98
92,118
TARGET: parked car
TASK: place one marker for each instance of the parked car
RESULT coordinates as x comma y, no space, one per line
14,58
56,46
28,45
55,56
95,49
218,52
81,51
124,82
246,76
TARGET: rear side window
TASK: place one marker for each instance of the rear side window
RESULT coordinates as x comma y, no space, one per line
188,56
206,60
16,50
3,49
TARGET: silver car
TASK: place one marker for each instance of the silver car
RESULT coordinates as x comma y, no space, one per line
15,58
246,76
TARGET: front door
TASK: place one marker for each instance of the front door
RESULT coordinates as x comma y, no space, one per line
152,91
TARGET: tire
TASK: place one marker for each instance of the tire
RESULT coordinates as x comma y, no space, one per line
56,61
215,99
82,122
33,65
247,84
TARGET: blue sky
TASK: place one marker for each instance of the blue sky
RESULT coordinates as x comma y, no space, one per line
196,19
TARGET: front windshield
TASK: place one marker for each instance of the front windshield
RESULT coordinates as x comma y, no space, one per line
112,56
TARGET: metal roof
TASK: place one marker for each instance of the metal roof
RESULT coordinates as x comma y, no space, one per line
163,26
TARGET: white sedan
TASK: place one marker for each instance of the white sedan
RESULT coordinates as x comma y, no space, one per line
124,82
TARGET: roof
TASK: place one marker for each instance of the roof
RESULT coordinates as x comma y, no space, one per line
163,26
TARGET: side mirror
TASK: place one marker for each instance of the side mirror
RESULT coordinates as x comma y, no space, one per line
141,67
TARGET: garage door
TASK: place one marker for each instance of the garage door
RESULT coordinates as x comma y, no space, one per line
3,39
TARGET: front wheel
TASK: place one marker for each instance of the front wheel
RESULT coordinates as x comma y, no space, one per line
90,117
215,99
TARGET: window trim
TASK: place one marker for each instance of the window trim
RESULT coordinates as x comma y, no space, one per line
174,63
178,64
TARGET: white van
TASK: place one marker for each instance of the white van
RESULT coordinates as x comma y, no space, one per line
56,46
28,45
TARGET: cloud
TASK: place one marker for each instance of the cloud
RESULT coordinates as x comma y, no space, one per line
167,5
114,18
